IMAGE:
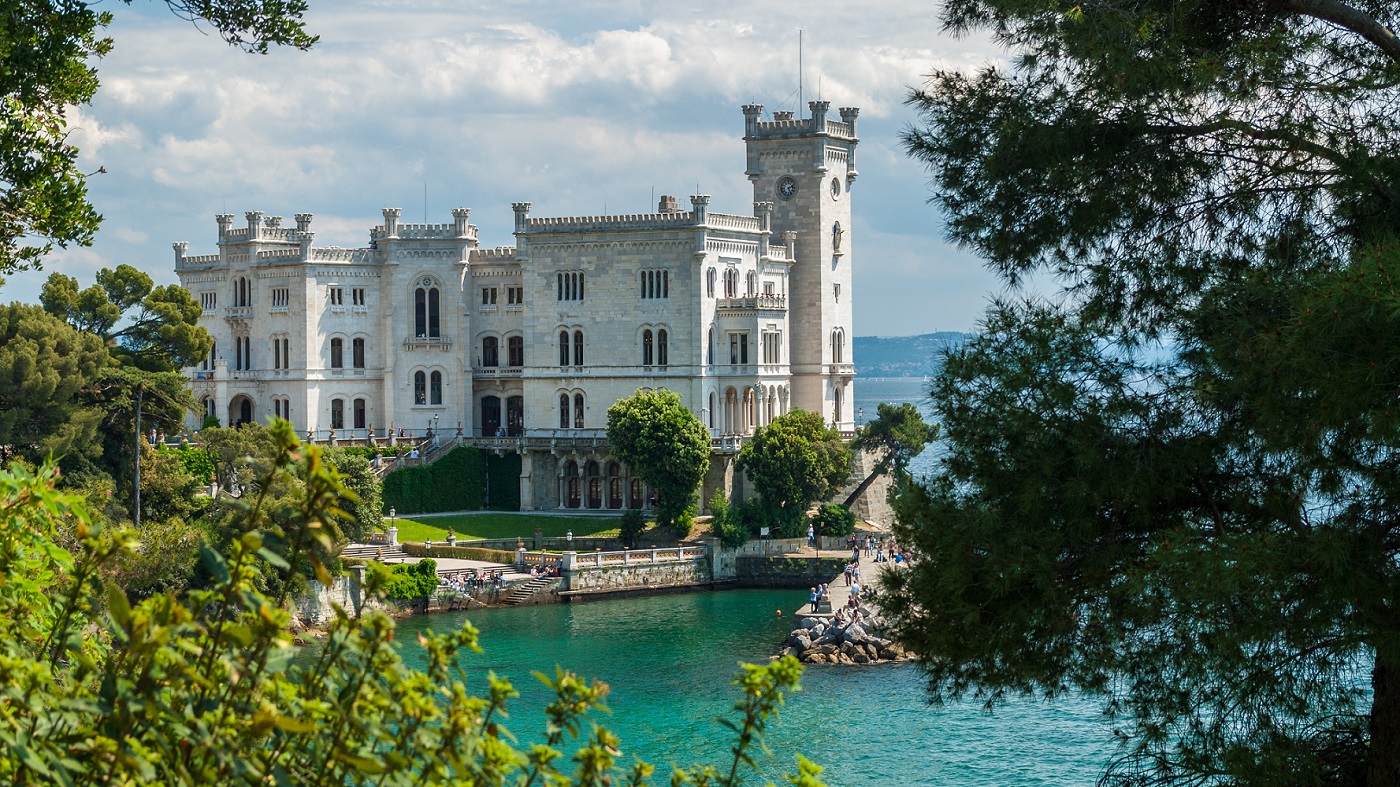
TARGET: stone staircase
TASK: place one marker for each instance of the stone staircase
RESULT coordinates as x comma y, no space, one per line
521,592
373,552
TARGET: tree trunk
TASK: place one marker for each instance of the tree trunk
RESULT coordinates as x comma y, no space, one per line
864,485
1384,767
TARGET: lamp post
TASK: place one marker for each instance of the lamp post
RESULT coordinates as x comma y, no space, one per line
860,416
393,528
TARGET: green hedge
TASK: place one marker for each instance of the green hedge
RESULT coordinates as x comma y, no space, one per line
456,482
461,553
408,581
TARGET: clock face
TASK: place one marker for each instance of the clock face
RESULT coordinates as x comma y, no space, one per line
786,188
835,188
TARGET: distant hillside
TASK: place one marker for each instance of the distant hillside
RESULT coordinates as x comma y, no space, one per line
903,356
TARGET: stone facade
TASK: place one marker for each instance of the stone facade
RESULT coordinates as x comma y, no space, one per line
423,330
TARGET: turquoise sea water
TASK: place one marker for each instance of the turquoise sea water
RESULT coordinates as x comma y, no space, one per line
669,660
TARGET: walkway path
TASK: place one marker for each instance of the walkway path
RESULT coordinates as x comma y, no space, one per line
837,589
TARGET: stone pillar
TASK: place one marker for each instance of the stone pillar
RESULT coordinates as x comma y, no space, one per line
520,557
393,536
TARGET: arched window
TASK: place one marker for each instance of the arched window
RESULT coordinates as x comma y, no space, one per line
515,348
563,411
614,485
646,347
712,409
578,348
420,388
277,353
710,282
337,413
490,351
635,498
571,485
661,352
426,308
563,348
710,348
731,283
595,485
435,388
208,406
337,353
358,353
751,283
578,411
838,346
360,414
515,415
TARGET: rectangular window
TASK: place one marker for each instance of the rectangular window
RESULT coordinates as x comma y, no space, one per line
738,349
516,348
488,296
357,296
208,300
358,353
280,297
337,353
337,296
359,413
515,296
337,413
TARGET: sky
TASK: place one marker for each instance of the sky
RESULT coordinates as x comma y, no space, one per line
579,107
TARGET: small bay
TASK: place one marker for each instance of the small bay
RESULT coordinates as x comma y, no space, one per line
669,661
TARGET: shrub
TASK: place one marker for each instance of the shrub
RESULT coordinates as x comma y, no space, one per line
408,581
633,523
461,553
726,523
834,519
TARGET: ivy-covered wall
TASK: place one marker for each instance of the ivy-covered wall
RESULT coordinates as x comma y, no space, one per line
456,482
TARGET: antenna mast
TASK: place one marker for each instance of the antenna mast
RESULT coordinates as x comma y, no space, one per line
799,72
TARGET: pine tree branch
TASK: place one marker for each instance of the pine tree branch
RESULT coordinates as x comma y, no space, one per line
1345,16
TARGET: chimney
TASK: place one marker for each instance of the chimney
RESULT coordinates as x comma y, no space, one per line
667,205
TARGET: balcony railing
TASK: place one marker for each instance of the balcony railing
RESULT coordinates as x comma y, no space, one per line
428,343
497,371
238,312
753,302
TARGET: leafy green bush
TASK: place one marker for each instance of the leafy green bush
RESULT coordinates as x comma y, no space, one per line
406,581
834,519
197,461
633,523
726,523
207,689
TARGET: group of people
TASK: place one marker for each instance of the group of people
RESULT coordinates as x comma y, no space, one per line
818,595
487,584
552,570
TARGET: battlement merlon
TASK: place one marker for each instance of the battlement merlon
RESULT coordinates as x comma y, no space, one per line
783,125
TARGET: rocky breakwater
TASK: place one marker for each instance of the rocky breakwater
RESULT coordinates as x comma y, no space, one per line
825,640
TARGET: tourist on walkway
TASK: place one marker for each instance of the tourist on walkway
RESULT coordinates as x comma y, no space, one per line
811,535
855,590
814,598
848,575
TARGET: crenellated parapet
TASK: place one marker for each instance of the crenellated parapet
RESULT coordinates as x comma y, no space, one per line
497,255
784,124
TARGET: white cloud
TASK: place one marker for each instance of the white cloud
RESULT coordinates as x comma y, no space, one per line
572,106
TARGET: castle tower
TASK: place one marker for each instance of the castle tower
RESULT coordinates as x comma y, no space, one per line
806,167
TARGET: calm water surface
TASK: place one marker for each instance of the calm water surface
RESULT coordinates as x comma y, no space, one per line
669,661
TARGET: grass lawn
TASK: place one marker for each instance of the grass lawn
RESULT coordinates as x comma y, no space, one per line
499,525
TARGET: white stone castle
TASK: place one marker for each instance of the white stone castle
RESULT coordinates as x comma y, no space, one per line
525,347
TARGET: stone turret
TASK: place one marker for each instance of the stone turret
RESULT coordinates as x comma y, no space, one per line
459,220
848,116
819,110
391,222
303,221
180,248
273,222
522,214
254,218
700,204
225,221
752,113
763,211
